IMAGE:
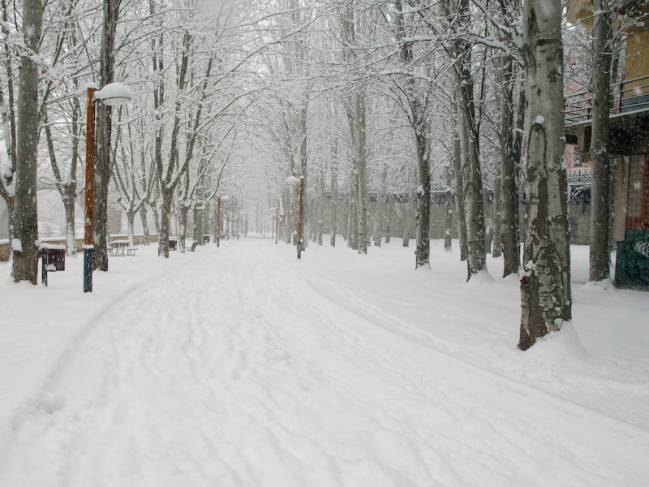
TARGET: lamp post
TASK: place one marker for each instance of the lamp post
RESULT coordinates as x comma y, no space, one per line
112,94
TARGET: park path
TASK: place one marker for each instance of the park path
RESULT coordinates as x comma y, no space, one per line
233,371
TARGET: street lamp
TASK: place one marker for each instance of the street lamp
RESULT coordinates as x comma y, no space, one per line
112,94
295,182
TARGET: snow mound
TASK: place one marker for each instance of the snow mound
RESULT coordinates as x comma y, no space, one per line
480,279
603,285
560,346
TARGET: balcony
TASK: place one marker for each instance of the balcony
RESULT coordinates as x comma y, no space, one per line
631,96
628,122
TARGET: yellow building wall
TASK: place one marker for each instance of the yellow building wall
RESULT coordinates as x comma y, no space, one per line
637,58
580,12
637,63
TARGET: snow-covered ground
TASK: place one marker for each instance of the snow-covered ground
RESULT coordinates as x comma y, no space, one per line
241,366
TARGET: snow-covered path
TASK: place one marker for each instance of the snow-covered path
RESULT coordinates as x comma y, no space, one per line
235,370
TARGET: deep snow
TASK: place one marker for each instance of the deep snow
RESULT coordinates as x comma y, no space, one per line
243,366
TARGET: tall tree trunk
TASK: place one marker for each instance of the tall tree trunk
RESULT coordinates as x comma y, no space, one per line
469,148
156,217
356,115
182,234
420,128
197,234
448,214
496,224
130,217
334,197
145,223
510,153
25,214
163,229
104,130
304,166
8,114
422,253
70,210
545,300
472,180
360,157
6,178
459,199
388,220
600,200
321,208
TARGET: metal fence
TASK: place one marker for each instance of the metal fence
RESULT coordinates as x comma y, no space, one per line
631,95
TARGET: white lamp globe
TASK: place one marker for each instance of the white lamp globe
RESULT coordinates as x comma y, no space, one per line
114,94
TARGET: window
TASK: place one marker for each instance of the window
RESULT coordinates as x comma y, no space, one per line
636,180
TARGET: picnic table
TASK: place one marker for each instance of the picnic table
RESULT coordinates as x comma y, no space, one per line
122,247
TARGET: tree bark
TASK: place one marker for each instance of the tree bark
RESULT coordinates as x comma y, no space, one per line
459,200
197,234
510,142
422,253
104,129
496,224
388,219
8,114
545,283
469,148
130,217
25,214
448,215
360,163
163,232
70,216
145,223
600,196
334,197
182,234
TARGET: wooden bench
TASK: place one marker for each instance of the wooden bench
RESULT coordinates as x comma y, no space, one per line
122,247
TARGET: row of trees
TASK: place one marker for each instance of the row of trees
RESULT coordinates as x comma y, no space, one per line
388,97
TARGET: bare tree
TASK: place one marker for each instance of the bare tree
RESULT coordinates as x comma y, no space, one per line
600,197
104,130
25,242
545,283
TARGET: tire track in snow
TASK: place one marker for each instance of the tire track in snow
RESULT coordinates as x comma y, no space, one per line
236,373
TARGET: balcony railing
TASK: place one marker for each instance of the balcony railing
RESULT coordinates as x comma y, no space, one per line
631,95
